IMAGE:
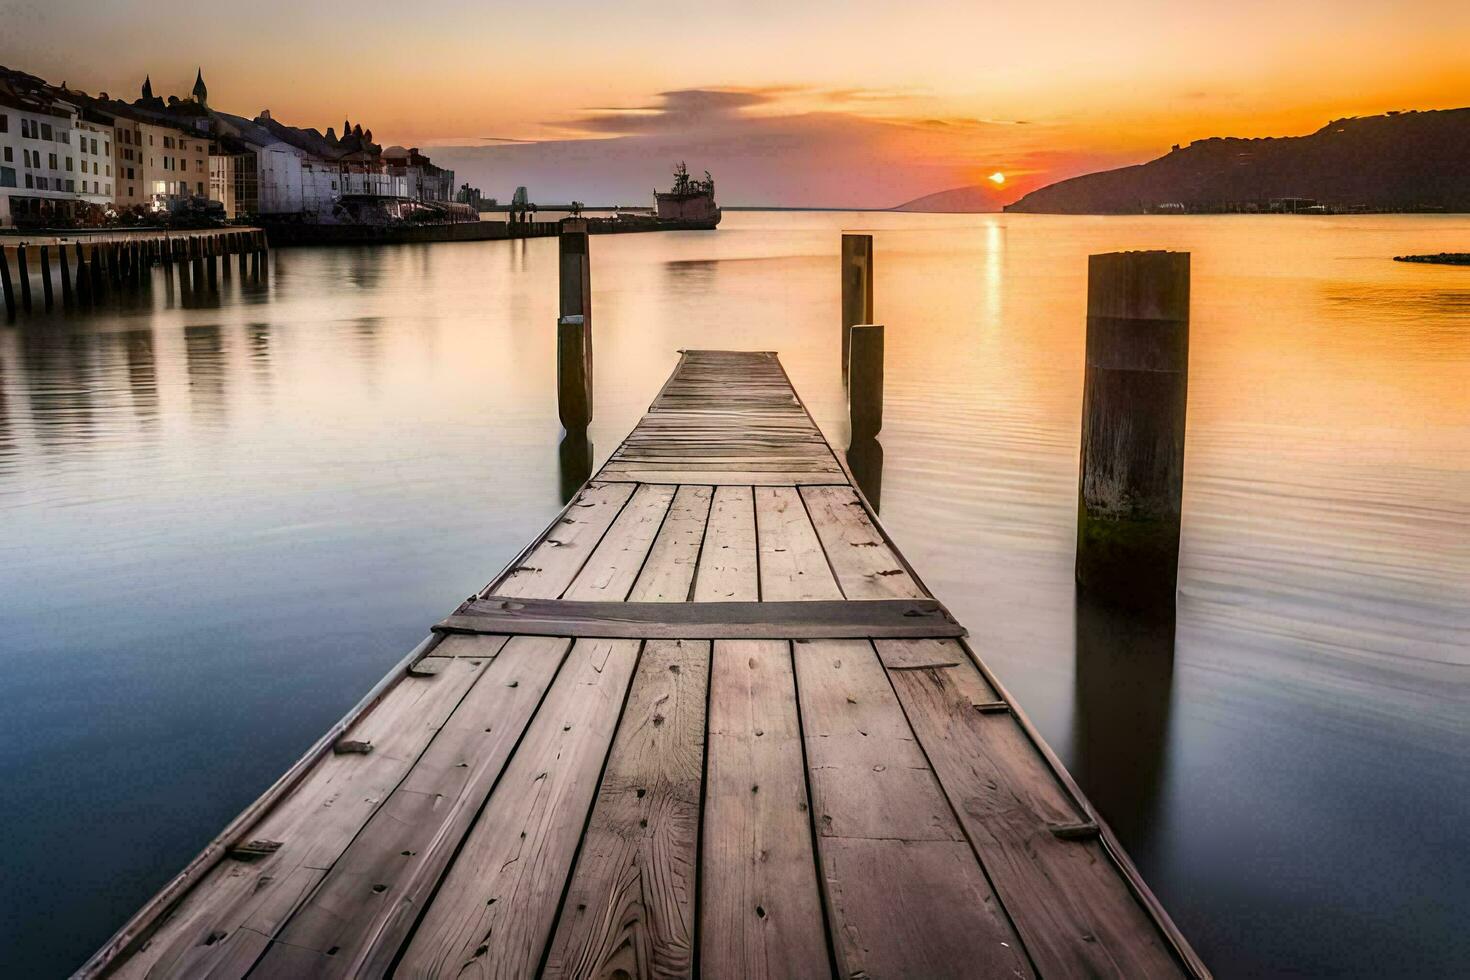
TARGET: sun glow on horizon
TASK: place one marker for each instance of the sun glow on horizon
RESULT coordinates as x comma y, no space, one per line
997,178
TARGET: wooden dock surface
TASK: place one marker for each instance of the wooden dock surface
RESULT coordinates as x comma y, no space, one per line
668,783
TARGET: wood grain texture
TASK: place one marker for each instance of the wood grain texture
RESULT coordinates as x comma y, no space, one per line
1073,910
727,565
799,619
865,565
668,575
493,913
558,556
761,908
630,908
614,565
224,923
905,893
792,563
357,918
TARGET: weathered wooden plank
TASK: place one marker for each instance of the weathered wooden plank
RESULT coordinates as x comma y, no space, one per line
550,567
356,919
630,908
905,893
792,563
614,566
721,478
223,924
727,564
1072,908
668,575
709,620
494,911
761,909
865,566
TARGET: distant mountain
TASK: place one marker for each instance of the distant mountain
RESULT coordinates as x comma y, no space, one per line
1401,161
958,199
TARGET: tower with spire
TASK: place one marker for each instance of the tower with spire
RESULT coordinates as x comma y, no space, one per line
148,88
199,92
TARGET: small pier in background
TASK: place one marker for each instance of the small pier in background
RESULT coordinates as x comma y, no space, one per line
709,723
41,273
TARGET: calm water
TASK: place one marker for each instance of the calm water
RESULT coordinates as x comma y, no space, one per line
224,520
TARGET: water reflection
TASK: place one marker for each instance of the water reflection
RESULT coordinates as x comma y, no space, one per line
1122,687
204,362
575,458
142,371
865,459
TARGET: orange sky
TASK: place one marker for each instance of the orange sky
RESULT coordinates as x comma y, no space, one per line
931,94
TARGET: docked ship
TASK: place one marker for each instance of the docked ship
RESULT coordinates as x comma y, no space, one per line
691,204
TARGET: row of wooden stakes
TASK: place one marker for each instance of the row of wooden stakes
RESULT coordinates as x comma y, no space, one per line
120,265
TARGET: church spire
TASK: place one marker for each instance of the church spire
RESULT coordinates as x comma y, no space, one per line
200,93
148,88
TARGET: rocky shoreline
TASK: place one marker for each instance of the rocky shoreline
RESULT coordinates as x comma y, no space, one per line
1442,258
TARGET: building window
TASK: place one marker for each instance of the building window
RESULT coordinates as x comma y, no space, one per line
71,185
42,184
51,158
69,167
30,181
66,136
7,176
25,127
9,155
5,128
45,131
130,192
200,185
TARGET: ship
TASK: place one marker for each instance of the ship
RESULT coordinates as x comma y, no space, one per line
691,204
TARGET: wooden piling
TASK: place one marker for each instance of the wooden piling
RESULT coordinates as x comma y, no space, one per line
48,293
67,296
84,278
211,262
574,372
23,273
857,287
865,380
1133,405
6,286
95,259
576,273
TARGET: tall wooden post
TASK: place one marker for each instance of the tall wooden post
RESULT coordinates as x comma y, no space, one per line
84,278
865,380
857,288
48,292
574,372
212,261
6,286
66,293
96,256
574,328
1133,402
23,273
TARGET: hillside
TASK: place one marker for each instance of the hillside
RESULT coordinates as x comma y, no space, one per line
959,199
1399,162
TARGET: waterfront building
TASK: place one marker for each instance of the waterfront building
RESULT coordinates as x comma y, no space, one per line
94,135
425,182
38,176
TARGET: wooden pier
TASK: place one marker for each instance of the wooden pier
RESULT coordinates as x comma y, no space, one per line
710,723
93,266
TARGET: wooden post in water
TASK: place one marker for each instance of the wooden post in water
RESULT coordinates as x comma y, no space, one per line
23,273
84,278
6,286
48,292
1133,402
66,293
212,261
865,380
96,256
574,328
857,288
574,372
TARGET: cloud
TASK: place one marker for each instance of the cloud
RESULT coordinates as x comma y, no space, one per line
791,146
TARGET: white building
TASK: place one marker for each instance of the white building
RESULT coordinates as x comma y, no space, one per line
38,161
93,137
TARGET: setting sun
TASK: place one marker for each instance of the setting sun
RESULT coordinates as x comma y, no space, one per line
997,178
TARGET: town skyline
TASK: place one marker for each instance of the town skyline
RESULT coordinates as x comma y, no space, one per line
788,108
